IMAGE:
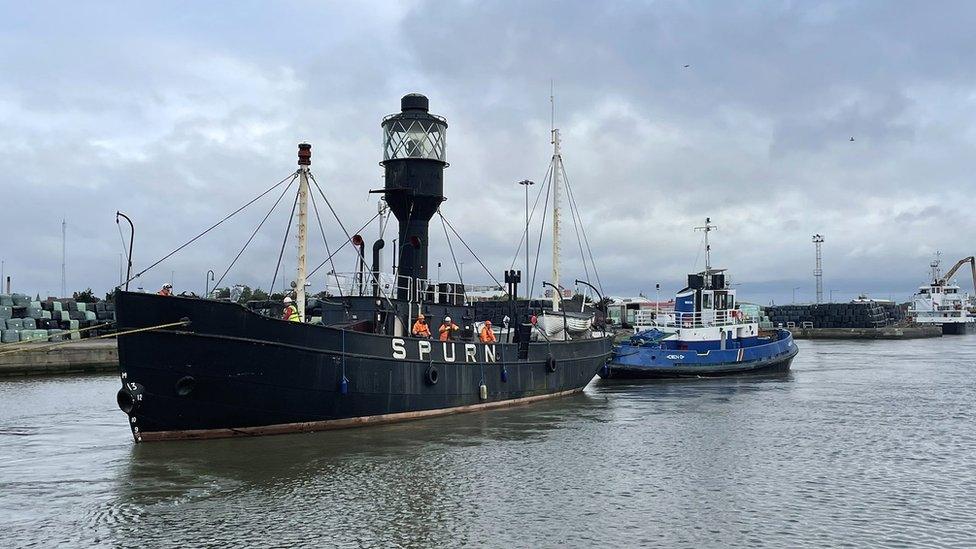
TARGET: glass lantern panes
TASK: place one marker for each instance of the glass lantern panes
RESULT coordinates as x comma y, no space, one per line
411,138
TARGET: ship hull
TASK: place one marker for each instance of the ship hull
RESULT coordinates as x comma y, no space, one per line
958,328
231,372
642,362
760,367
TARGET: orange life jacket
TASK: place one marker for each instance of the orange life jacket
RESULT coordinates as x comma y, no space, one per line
487,336
446,330
420,329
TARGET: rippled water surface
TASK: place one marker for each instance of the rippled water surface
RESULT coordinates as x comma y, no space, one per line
863,444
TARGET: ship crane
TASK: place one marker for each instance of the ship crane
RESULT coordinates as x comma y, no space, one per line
972,262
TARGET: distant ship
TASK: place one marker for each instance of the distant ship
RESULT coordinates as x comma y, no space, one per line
705,335
942,303
228,371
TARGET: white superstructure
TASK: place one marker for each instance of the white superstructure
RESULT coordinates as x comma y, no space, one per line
940,302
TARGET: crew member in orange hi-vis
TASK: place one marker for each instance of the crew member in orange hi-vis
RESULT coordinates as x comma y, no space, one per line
167,289
487,335
448,329
420,327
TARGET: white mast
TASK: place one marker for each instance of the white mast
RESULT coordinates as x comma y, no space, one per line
707,228
557,170
818,240
304,161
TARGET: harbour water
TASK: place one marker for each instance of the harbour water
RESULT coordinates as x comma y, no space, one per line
864,443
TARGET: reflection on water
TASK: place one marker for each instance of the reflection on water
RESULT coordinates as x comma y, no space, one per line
864,443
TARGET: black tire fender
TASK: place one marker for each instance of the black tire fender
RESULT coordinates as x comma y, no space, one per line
432,375
129,397
185,385
550,364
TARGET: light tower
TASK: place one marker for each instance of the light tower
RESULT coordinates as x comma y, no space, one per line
414,158
818,272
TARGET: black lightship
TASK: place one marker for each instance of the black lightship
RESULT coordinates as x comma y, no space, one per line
218,369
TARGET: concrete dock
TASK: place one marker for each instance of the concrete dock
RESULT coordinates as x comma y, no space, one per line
100,355
887,332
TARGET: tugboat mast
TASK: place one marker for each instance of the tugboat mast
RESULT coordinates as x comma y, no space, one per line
707,228
304,161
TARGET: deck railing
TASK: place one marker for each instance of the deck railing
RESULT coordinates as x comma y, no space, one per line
669,318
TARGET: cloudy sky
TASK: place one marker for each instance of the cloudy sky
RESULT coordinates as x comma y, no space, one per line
177,113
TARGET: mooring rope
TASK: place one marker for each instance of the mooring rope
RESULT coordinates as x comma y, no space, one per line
103,336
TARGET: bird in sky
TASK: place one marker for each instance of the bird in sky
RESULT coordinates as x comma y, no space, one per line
686,66
852,138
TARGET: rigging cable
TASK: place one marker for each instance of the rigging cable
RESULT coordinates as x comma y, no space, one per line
122,238
212,227
275,206
542,228
576,225
586,240
327,250
450,247
478,259
283,242
337,250
531,217
373,275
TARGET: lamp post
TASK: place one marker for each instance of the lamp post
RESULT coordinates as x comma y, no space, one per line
206,286
526,183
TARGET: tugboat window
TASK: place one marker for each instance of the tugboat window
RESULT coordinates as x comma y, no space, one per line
706,301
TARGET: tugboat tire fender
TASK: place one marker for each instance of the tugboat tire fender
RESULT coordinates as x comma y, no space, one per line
550,364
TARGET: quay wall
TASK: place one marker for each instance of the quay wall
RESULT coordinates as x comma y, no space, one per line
74,357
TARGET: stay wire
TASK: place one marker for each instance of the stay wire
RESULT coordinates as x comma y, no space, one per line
341,226
450,247
283,243
326,240
478,259
212,227
576,223
258,228
339,249
531,217
122,238
586,240
542,228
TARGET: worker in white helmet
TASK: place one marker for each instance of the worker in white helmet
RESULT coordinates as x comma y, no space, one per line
291,311
448,329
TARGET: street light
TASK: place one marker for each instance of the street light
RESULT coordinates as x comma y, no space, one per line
526,183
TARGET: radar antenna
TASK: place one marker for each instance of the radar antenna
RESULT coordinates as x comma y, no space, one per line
707,228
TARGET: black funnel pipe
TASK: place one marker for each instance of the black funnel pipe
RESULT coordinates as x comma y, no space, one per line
414,160
360,245
377,246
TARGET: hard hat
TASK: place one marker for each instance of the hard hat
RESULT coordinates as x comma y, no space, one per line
167,285
420,316
447,319
287,300
487,323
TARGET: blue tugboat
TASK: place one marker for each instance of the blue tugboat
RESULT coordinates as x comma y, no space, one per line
705,335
